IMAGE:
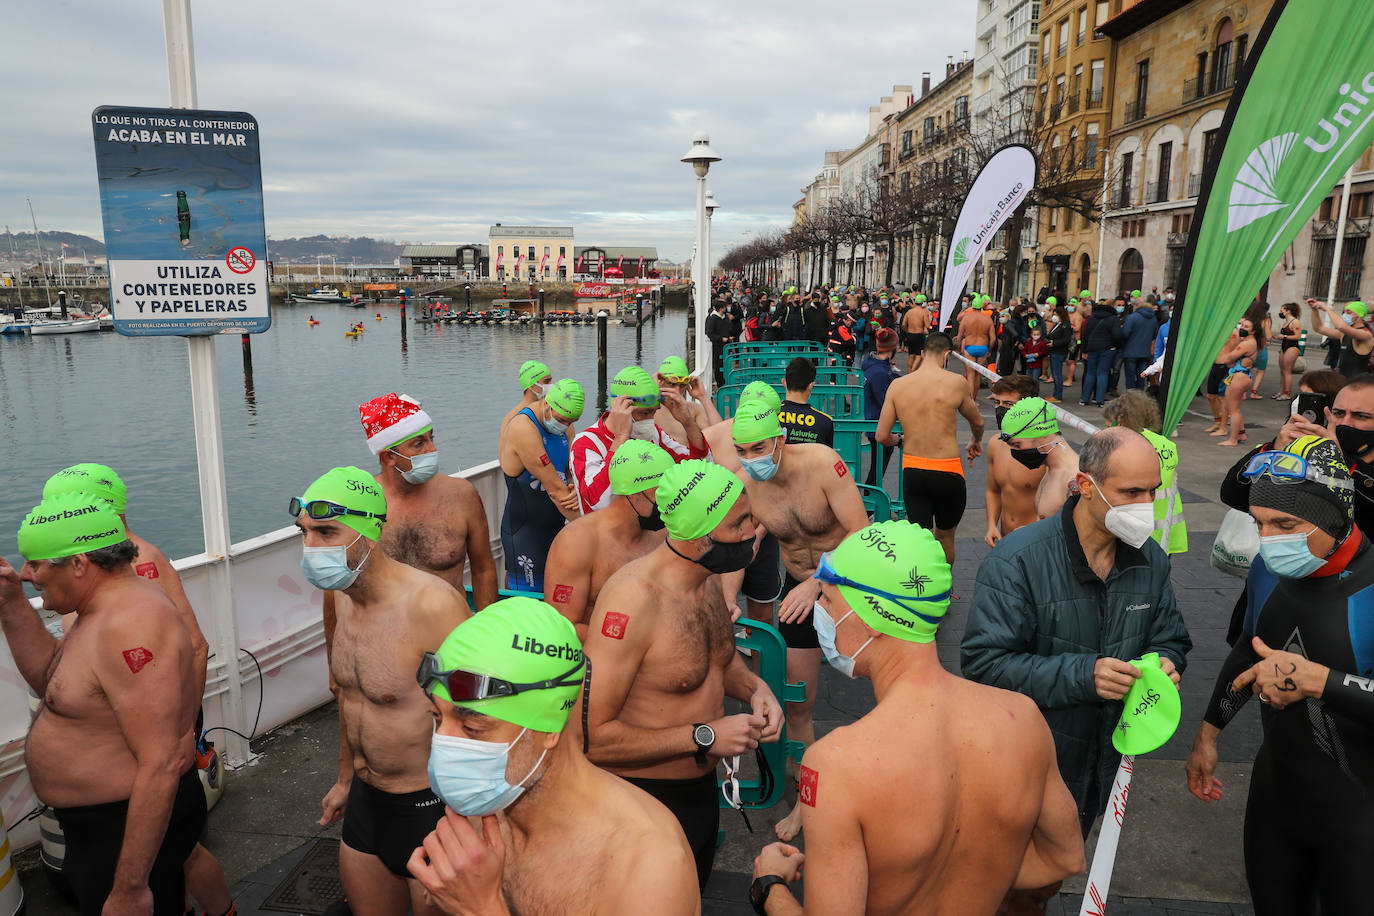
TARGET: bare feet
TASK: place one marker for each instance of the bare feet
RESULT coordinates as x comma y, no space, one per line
1217,431
1232,442
790,826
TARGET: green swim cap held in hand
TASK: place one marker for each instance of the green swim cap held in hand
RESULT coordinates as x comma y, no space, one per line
694,497
566,397
532,373
761,391
634,382
352,488
907,564
754,422
1152,710
674,367
66,524
521,641
96,479
637,466
1030,418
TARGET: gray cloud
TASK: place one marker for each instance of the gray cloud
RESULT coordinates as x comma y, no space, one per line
430,121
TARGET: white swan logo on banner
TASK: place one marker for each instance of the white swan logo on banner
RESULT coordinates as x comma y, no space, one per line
1254,194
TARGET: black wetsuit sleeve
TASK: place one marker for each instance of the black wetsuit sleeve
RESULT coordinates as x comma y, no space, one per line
1226,701
1350,695
1235,490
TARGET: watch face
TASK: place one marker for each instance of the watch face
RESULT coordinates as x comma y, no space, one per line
705,736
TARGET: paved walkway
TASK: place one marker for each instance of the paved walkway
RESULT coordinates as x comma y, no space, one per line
1177,855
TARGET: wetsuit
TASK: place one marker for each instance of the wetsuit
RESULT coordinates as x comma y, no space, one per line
531,520
1311,800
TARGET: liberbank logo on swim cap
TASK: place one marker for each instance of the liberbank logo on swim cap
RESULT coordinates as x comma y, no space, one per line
550,649
684,491
66,513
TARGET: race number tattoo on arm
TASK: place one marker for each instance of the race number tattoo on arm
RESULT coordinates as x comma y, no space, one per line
562,593
614,625
137,658
808,785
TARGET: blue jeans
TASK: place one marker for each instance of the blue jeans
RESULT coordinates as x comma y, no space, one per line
1134,366
1057,373
1095,375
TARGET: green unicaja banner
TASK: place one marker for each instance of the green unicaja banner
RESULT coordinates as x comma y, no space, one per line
1300,115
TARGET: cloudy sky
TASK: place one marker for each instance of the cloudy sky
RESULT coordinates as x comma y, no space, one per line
427,122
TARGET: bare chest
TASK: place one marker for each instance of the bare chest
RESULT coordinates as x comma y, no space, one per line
794,514
375,658
73,691
550,882
694,639
1013,477
427,539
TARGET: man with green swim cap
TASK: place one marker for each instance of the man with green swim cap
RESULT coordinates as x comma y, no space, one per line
497,751
673,375
120,686
591,548
988,809
662,645
204,875
1030,430
636,400
380,617
1351,328
535,451
534,378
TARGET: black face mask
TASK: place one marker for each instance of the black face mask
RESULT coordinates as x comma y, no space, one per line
1242,333
1031,458
1355,443
998,413
723,557
651,522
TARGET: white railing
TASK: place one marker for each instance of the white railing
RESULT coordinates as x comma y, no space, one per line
279,621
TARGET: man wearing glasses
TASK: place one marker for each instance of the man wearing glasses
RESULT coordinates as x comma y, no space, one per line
383,617
576,840
636,400
944,794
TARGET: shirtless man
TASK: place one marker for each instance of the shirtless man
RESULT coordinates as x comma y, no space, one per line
434,522
571,839
205,879
380,617
804,496
534,378
663,648
120,688
1031,431
989,810
915,324
933,480
673,374
591,548
975,339
1012,484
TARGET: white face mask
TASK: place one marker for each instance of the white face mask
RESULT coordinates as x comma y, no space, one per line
644,429
1132,523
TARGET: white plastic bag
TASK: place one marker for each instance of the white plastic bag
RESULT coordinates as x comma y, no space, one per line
1236,544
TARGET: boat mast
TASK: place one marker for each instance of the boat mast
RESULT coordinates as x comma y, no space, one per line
47,283
14,257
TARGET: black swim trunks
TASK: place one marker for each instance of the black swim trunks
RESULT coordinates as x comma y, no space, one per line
389,826
95,833
802,634
1216,379
935,499
763,577
915,343
695,803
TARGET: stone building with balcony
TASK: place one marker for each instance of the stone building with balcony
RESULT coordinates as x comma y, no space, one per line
1074,111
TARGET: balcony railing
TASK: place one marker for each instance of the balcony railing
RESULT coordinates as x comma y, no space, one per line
1157,192
906,153
1200,87
1082,36
1135,111
1075,101
1195,184
1122,197
1093,99
1063,48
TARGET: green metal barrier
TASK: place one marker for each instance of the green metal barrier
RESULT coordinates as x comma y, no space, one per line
825,375
852,445
767,645
842,401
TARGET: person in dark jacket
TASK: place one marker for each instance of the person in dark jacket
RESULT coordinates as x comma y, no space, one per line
719,331
1015,331
1102,334
817,320
879,371
1139,332
1060,608
1060,339
793,318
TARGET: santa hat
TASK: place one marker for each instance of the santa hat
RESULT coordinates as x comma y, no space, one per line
392,419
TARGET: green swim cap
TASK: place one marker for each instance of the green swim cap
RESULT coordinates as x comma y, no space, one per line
66,524
634,382
1051,301
1085,294
694,497
531,373
1073,301
755,420
96,479
1152,710
636,466
1030,418
921,297
566,397
761,391
352,488
1358,308
523,641
674,367
1135,294
903,560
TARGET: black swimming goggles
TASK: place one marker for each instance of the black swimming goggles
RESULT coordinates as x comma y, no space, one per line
826,573
466,686
321,509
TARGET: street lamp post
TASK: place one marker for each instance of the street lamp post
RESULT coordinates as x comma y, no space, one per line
700,157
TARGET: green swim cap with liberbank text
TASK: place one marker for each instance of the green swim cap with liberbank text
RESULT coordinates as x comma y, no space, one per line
694,497
66,524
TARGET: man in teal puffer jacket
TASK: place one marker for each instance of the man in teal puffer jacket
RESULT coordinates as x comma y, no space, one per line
1060,608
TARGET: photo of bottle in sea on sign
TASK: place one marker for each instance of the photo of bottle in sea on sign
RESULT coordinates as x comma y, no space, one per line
184,219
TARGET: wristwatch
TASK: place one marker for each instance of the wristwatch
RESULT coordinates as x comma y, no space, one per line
704,736
758,891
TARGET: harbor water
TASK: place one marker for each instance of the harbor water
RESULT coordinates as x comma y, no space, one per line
125,402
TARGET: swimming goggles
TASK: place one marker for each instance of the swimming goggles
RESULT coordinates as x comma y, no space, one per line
648,400
321,509
1035,418
1285,467
466,686
826,573
678,379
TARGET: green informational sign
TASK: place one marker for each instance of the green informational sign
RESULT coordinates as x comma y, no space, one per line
1299,117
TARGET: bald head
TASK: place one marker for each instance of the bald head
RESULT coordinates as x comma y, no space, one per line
1119,451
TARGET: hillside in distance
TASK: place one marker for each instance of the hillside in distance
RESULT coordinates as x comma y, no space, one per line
342,248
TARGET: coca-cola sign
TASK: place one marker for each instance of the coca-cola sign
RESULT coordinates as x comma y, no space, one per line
592,290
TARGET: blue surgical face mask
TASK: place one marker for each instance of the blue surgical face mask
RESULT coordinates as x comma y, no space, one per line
1348,318
422,467
763,467
553,425
1288,555
327,568
825,635
1120,309
470,775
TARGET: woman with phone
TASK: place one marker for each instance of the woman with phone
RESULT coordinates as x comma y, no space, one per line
1290,337
1241,357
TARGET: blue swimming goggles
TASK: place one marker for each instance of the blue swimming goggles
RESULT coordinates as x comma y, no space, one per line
826,573
1285,467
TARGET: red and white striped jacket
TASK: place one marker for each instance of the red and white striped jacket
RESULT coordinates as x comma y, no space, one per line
591,461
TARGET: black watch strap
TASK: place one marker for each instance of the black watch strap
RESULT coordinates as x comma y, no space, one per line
758,891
